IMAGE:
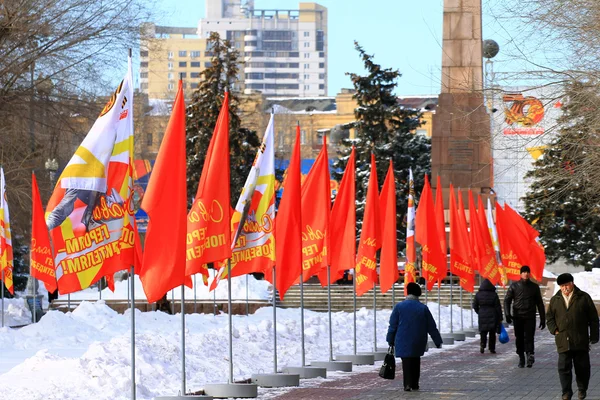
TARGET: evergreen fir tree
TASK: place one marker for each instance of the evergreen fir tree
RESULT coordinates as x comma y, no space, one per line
203,112
383,127
560,202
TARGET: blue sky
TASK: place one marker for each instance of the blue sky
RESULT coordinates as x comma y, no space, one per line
405,35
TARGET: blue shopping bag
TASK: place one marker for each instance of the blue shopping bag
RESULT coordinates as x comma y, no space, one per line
503,338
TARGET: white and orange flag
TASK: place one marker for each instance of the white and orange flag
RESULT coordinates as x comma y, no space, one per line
90,214
496,244
42,262
6,252
253,220
410,274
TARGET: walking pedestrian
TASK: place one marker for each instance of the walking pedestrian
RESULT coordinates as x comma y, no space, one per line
410,323
520,303
573,320
489,311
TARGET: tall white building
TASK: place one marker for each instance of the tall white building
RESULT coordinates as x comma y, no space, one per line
282,52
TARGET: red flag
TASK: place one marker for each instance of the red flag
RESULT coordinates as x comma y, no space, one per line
209,219
342,224
288,227
460,248
410,274
370,237
316,204
165,202
510,259
441,228
426,234
488,261
388,259
42,262
475,236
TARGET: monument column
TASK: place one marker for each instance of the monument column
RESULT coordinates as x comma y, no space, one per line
461,137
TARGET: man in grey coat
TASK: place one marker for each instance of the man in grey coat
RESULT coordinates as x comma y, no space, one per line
573,320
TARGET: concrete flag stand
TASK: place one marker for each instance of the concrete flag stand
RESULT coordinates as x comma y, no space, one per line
331,365
231,389
275,379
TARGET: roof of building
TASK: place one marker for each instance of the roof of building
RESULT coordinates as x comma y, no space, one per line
423,103
301,105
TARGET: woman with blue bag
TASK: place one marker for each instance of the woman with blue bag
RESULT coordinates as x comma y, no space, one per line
489,310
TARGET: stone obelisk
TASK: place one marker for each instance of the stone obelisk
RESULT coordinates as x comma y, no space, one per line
461,152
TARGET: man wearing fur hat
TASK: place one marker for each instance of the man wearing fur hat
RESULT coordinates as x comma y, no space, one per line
521,300
410,323
573,320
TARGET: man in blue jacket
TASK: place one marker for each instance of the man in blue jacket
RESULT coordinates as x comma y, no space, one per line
410,323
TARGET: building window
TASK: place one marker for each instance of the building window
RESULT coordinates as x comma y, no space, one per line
306,66
170,55
183,85
195,64
194,75
170,75
193,85
143,53
148,139
321,65
144,64
306,87
306,76
194,54
207,64
306,34
170,87
306,55
144,86
182,53
182,64
321,86
321,76
143,75
322,54
302,137
306,44
170,65
183,75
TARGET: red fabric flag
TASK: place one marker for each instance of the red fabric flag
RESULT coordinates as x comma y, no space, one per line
510,260
441,228
388,259
410,274
488,261
370,237
288,227
316,205
426,234
42,262
165,202
524,241
475,236
460,248
342,224
209,219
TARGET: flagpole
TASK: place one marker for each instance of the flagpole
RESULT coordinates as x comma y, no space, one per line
451,286
439,305
302,319
194,293
99,289
247,306
182,340
215,299
2,298
230,320
329,312
393,294
132,272
354,296
374,317
69,301
275,320
461,309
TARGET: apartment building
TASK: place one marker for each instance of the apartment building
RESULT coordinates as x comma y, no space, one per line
282,52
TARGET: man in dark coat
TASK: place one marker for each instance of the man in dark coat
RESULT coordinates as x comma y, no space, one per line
410,323
520,302
487,306
573,320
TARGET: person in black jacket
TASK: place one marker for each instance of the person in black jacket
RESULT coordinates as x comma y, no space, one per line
487,306
573,320
520,302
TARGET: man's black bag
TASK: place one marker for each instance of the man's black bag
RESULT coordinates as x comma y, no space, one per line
388,369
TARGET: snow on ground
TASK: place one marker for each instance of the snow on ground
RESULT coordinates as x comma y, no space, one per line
87,353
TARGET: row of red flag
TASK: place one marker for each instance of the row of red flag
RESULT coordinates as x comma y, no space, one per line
90,218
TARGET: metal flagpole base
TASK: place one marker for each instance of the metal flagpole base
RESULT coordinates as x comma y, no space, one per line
344,366
190,397
357,359
275,380
309,372
377,355
459,336
448,338
235,390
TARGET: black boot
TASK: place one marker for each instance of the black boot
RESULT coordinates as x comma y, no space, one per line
481,349
521,361
530,360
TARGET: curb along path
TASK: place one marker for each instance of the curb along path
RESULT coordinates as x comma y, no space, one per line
460,372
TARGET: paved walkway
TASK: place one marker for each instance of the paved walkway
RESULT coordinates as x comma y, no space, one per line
461,373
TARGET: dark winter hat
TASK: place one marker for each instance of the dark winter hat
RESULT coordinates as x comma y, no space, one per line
414,289
525,268
564,278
